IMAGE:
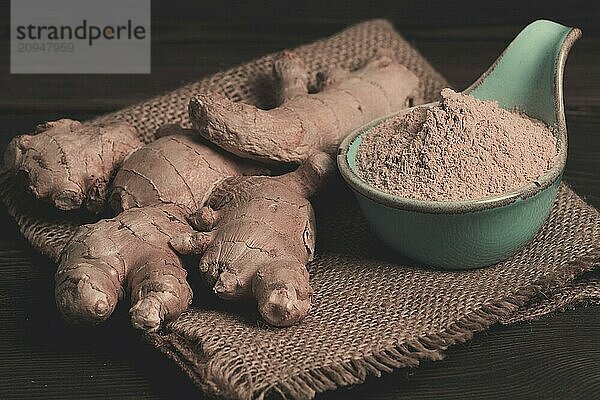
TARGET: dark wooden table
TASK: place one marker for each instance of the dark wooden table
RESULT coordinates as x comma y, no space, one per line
42,357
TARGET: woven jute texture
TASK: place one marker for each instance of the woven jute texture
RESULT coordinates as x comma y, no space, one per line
371,314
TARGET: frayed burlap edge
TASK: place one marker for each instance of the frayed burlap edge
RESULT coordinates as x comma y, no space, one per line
408,353
585,290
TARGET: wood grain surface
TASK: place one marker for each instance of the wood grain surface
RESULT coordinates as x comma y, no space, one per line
41,357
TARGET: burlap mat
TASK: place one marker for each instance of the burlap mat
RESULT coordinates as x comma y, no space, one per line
370,315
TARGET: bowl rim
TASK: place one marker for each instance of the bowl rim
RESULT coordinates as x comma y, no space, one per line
445,207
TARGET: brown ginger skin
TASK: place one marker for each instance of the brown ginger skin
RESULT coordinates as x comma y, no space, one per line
304,122
256,235
128,251
158,186
70,164
177,168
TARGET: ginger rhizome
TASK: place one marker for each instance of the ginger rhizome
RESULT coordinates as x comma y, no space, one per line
70,164
256,235
305,122
131,252
253,233
158,186
176,168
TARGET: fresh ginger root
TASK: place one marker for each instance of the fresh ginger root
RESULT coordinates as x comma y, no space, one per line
256,234
304,122
158,186
176,168
129,250
70,164
179,195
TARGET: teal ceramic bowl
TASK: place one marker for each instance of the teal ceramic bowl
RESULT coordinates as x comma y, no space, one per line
476,233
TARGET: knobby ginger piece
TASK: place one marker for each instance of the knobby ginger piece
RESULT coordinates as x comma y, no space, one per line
129,251
177,168
305,122
70,164
256,234
184,183
154,191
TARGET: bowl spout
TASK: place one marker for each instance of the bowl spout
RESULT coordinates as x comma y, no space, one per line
528,75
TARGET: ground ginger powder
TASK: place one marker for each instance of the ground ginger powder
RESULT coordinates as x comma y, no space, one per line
462,148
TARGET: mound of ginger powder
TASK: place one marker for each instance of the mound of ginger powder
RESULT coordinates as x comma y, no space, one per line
461,148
